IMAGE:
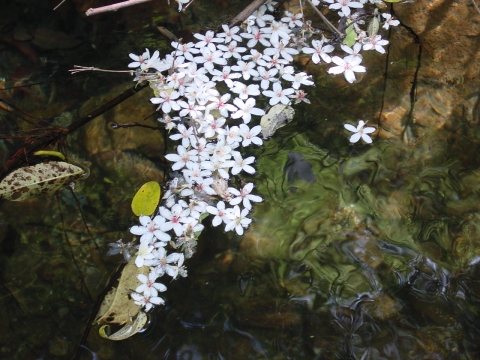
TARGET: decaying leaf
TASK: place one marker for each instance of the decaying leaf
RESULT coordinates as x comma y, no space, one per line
117,307
130,329
146,199
41,179
278,116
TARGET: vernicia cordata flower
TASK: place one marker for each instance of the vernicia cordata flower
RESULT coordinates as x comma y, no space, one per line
344,5
348,66
360,132
278,94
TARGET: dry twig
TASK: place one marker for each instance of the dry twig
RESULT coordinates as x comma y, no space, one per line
113,7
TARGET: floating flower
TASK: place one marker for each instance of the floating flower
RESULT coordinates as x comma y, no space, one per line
348,66
360,132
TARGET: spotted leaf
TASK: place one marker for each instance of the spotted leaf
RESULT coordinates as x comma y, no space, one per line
37,180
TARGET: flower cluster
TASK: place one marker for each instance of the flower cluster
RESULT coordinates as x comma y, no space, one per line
208,92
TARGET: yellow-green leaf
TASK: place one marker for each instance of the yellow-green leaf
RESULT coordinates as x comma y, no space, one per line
350,35
41,179
49,153
146,199
130,329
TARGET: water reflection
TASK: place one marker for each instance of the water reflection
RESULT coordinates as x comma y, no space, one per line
376,259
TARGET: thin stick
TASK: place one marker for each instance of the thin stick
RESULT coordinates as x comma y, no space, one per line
186,7
245,13
476,6
329,24
78,68
113,7
56,7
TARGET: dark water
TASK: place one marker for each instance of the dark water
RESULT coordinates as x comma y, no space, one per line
378,258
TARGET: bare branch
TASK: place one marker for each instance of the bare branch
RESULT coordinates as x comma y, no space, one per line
113,7
78,68
245,13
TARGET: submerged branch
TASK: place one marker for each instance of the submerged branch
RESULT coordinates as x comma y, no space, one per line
245,13
329,24
57,133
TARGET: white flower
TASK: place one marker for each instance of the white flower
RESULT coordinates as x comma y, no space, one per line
278,94
167,99
300,96
162,262
220,214
243,164
344,5
254,56
244,196
194,173
232,50
212,126
348,66
246,109
293,19
185,50
221,151
266,76
273,61
210,57
207,40
176,216
300,78
169,122
376,43
146,300
200,145
230,34
360,132
239,220
185,134
151,229
144,253
250,135
182,158
279,31
353,52
225,75
247,69
221,105
319,51
191,109
149,286
257,35
232,135
245,91
139,60
282,49
389,21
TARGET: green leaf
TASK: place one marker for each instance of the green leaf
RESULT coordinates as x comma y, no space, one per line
350,35
41,179
146,199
